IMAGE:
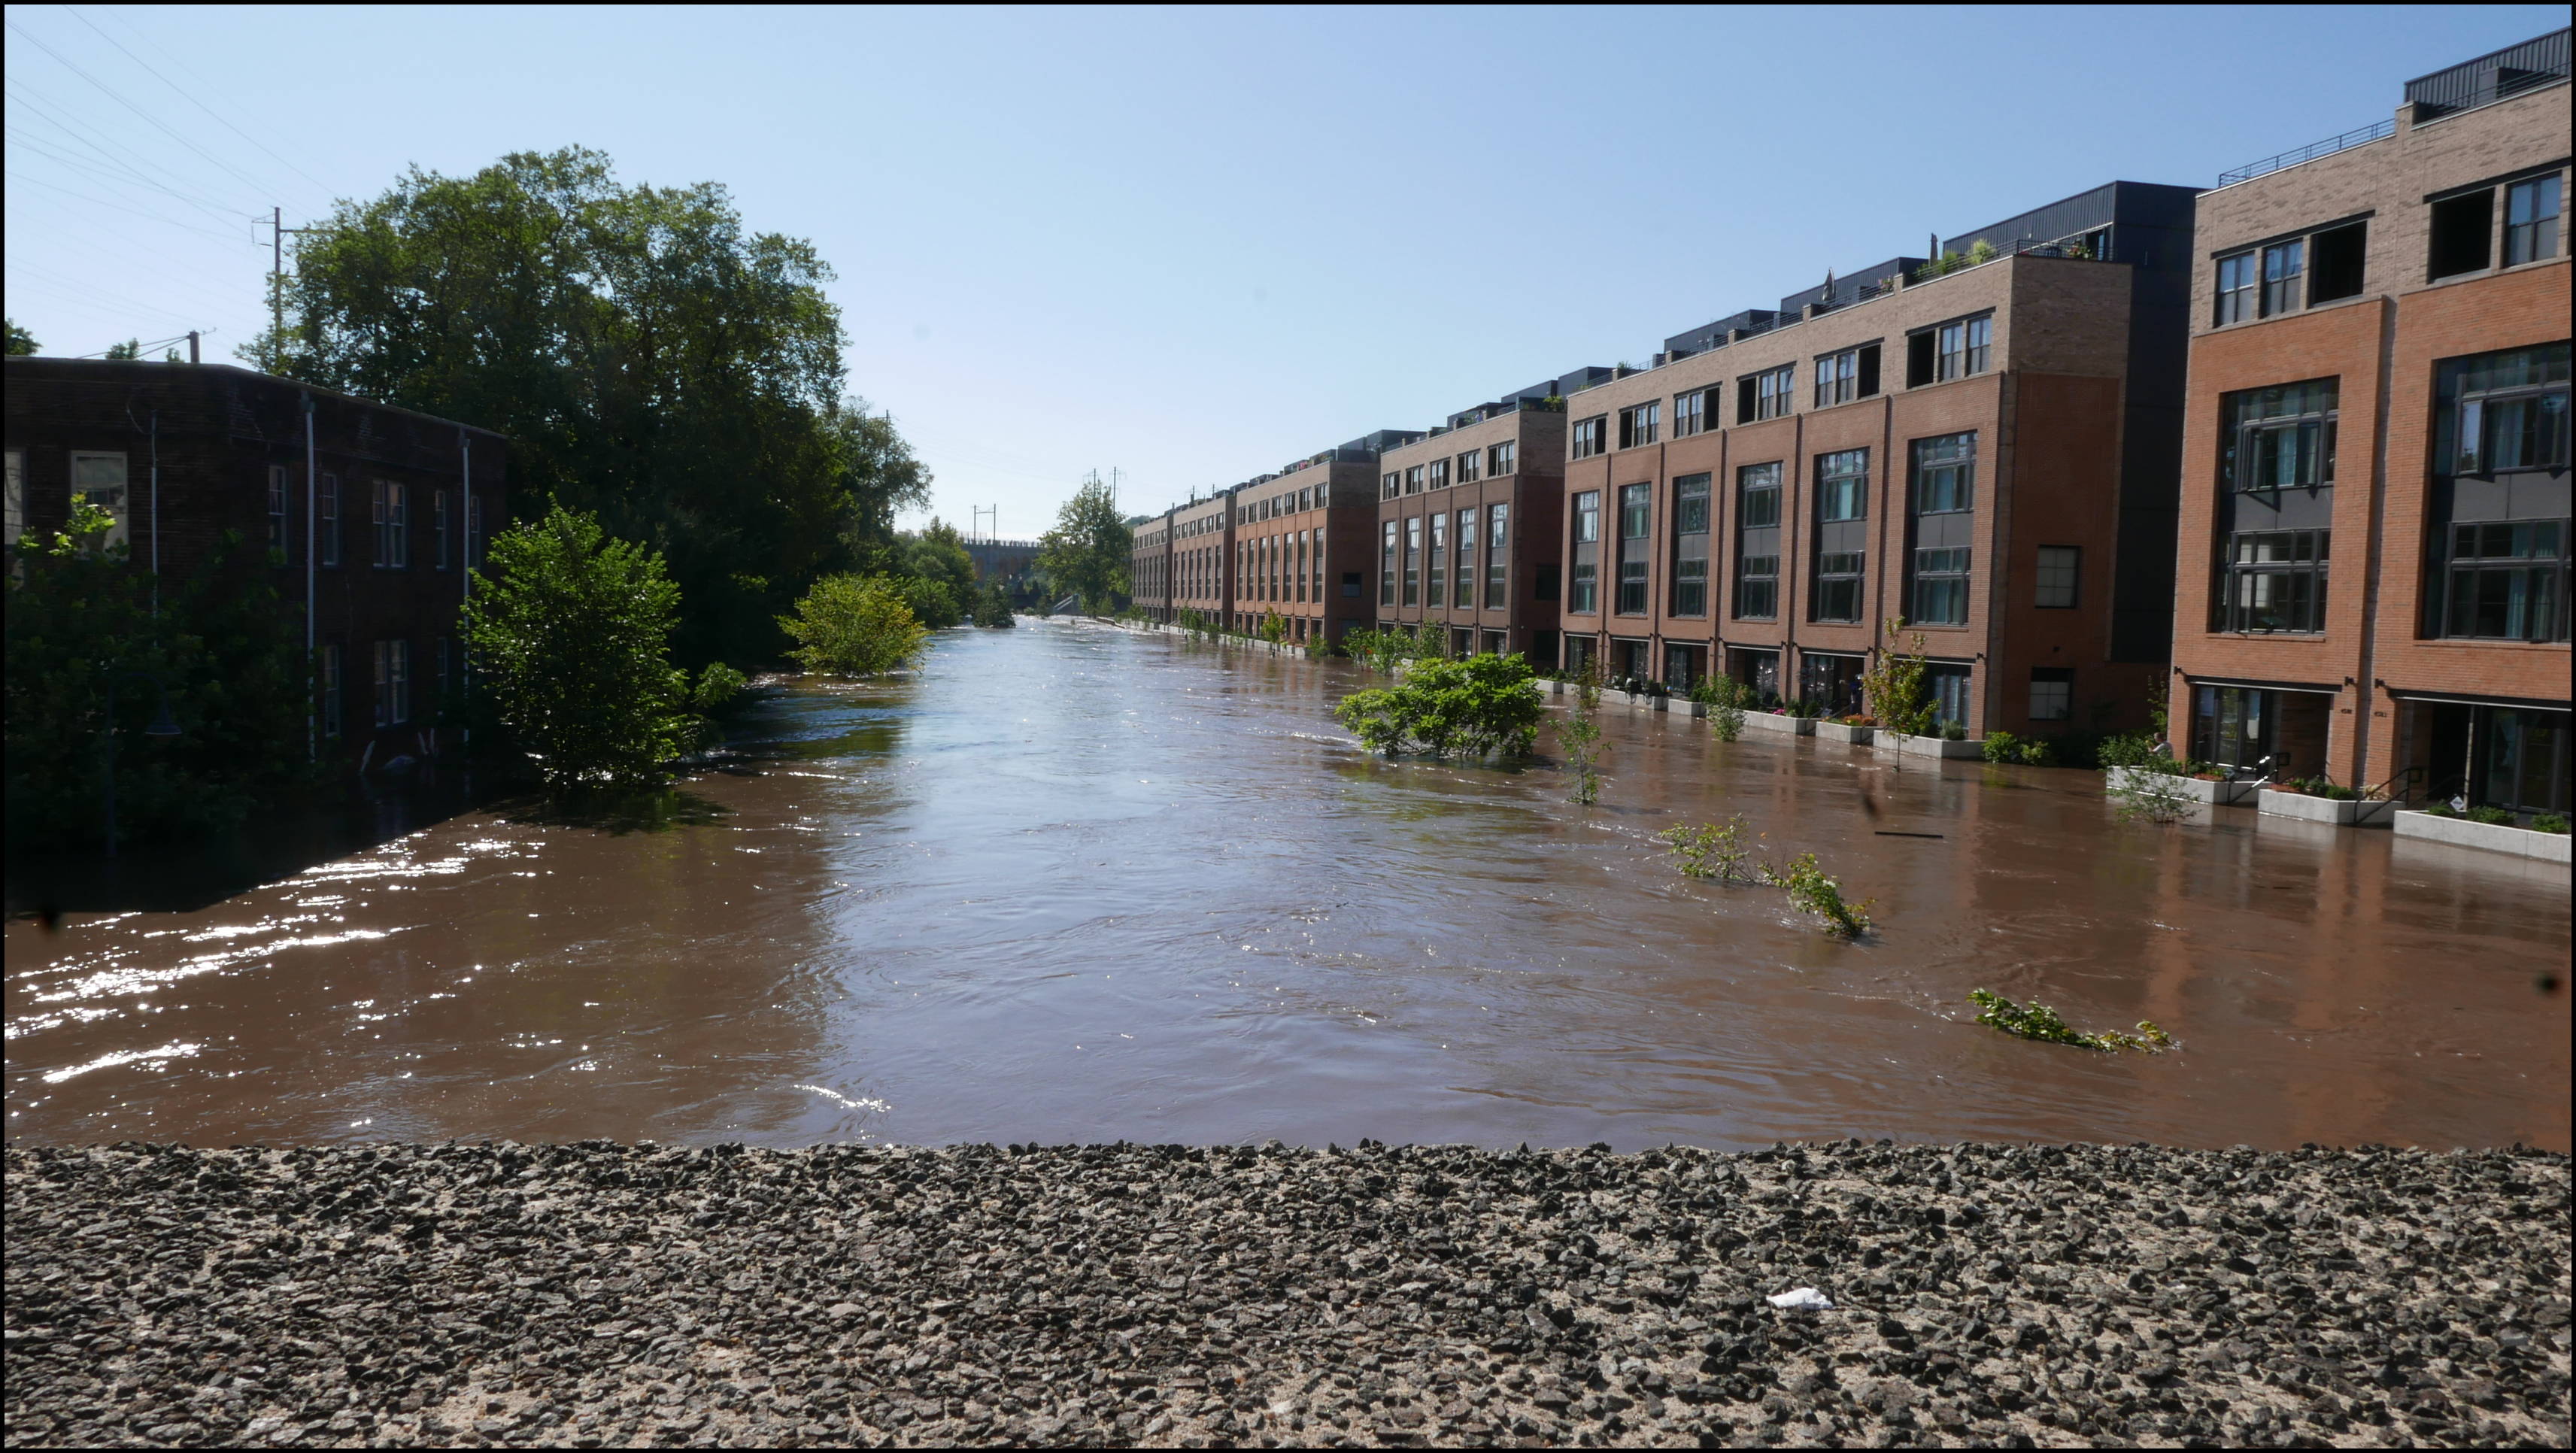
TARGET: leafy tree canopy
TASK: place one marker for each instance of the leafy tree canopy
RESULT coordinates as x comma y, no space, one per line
653,362
1085,555
1482,705
849,625
21,342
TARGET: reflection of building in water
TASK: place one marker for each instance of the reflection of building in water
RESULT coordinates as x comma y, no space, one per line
2375,467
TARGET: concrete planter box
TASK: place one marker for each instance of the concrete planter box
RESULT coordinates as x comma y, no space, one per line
2340,812
1834,731
2215,794
2548,847
1895,745
1787,726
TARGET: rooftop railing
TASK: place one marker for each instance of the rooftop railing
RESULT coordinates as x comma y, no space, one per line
2328,147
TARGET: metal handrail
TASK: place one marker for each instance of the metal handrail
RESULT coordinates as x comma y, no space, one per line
2411,775
2328,147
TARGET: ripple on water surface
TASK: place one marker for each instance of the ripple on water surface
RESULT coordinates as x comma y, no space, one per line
1076,884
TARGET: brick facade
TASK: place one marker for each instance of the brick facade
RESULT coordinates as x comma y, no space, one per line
1530,492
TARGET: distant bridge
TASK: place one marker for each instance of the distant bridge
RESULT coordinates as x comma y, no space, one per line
1001,558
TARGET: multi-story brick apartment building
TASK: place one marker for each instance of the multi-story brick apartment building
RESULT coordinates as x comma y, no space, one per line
1987,452
1302,540
1201,544
371,514
2373,578
1149,567
1468,520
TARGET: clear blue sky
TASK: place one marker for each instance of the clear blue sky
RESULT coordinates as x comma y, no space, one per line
1190,245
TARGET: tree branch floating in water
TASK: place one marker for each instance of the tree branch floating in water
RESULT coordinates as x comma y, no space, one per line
2037,1021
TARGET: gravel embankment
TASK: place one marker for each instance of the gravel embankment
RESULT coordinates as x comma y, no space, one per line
602,1294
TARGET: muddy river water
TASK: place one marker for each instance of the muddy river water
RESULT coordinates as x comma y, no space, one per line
1075,884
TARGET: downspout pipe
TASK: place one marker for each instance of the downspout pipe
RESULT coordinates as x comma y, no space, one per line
312,552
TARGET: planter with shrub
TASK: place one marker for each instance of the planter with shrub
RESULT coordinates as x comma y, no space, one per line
2545,838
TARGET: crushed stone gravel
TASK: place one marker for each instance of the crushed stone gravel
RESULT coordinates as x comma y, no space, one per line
599,1294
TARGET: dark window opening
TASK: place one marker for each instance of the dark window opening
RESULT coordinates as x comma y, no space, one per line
2463,230
2336,268
1918,360
1545,585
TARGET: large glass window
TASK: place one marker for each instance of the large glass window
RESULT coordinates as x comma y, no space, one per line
1439,473
1842,485
1463,589
2531,220
1502,459
1690,413
1413,561
1386,564
1439,593
1963,348
2052,693
1772,391
1758,496
277,510
1837,595
1498,519
1640,425
2277,438
1847,375
1585,597
1757,542
1390,484
1945,474
1635,514
2521,760
1690,505
2236,279
2512,411
327,520
2276,581
1586,438
2508,581
1587,517
1940,587
1471,466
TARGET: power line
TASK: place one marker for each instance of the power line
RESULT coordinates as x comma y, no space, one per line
137,211
130,159
200,105
94,298
132,178
130,106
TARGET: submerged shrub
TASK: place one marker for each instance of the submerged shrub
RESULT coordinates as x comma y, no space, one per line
1813,891
2037,1021
1710,851
850,625
1476,707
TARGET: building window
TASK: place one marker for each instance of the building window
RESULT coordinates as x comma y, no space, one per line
99,479
1497,567
2284,264
1439,473
1413,480
1690,413
438,524
1945,474
1757,542
1636,513
1439,592
1842,486
1463,578
1585,439
2276,581
2061,569
1765,395
1640,425
277,508
1845,376
1587,517
446,666
1586,589
1940,587
332,691
2463,233
2052,693
2531,220
1468,463
2511,413
2335,269
2279,438
1386,564
2235,288
1838,586
17,498
391,508
1389,485
327,521
1413,561
1962,348
1690,545
1502,459
2508,581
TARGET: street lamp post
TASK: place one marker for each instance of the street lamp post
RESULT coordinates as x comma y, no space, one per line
162,726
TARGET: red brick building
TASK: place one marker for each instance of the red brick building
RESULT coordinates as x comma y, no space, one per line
1302,541
2373,577
1467,525
1987,452
372,514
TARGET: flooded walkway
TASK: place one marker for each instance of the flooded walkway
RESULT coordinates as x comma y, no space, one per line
1078,885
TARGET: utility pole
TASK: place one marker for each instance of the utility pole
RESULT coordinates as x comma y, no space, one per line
277,230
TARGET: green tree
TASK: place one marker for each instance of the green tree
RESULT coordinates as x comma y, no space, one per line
219,651
1085,555
570,630
993,607
131,348
1483,705
21,342
1893,686
1580,734
939,575
850,625
654,362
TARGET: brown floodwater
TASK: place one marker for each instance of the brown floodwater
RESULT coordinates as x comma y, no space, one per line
1075,884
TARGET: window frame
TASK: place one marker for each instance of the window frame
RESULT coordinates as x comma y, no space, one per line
1842,479
2284,276
2062,679
1960,466
1829,576
2239,296
2060,576
1503,459
2242,578
1949,583
2525,237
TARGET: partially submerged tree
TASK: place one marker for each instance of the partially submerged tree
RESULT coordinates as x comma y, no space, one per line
850,625
1086,554
1484,705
